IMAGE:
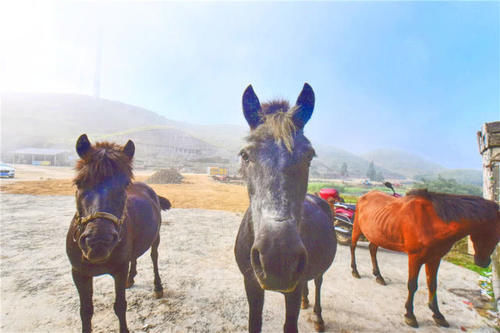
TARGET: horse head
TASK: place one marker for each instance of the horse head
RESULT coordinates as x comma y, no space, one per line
485,239
103,173
275,164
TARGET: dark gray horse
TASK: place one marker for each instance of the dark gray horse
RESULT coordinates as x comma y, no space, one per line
286,238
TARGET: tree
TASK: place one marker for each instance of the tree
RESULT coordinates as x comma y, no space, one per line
380,176
343,170
371,173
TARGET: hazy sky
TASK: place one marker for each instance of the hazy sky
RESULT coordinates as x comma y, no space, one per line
421,77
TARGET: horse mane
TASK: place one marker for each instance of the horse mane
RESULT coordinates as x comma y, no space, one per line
277,122
103,162
454,207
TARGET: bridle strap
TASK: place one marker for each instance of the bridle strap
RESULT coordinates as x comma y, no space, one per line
100,215
80,221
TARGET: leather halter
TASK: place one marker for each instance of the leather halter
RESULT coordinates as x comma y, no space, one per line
81,221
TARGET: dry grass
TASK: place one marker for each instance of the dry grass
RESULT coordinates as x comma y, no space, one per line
196,191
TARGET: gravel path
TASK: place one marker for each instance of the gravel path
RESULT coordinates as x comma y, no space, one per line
204,289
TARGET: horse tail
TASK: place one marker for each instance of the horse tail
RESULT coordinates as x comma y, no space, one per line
164,203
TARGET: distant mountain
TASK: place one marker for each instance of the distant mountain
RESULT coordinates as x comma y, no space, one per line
56,121
414,166
332,158
462,176
407,164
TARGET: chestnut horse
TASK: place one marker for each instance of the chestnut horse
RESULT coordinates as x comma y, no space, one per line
116,221
285,238
425,225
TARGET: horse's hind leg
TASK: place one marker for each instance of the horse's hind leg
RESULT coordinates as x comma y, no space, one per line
319,324
305,299
431,269
376,271
356,233
132,273
154,256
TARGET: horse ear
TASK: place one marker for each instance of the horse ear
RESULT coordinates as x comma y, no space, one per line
83,145
305,104
251,108
129,149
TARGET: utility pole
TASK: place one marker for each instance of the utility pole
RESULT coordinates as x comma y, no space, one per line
98,56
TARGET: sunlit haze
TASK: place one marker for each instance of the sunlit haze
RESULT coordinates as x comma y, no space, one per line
418,77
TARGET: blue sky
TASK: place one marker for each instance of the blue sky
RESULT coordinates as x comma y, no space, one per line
421,77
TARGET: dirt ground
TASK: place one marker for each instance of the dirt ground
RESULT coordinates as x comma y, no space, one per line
196,191
203,288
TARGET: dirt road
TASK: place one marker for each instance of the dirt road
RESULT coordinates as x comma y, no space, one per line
204,289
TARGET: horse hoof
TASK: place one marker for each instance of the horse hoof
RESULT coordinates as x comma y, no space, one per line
411,321
305,304
129,284
319,326
380,280
356,275
441,321
158,294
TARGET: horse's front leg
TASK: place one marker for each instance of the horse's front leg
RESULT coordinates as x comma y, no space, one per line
83,284
292,301
431,270
414,264
255,298
120,307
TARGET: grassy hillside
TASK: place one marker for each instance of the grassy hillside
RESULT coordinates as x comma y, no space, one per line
56,120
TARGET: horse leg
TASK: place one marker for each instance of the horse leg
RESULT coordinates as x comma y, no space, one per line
319,324
132,273
431,270
120,306
84,286
414,265
376,271
154,256
305,299
292,301
356,233
255,298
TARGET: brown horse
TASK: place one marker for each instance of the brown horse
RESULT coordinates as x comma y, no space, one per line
425,225
116,221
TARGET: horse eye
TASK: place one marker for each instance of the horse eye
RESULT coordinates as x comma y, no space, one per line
244,156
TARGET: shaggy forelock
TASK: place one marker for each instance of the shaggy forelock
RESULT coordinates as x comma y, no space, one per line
277,123
104,161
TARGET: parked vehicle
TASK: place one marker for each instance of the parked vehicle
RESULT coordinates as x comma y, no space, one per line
7,170
343,213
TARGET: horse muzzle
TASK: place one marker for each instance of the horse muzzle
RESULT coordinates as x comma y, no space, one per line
98,249
482,262
279,271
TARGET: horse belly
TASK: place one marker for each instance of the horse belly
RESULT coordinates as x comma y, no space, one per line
383,234
145,222
320,242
